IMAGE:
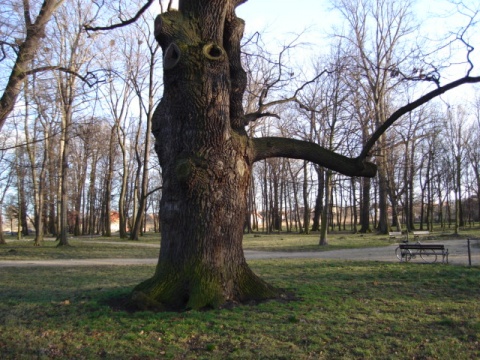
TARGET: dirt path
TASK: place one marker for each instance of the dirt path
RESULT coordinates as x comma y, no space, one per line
458,255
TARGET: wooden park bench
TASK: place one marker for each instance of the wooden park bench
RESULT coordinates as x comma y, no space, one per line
396,235
428,252
419,234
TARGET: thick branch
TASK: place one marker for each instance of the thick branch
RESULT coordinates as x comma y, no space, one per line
297,149
412,106
251,117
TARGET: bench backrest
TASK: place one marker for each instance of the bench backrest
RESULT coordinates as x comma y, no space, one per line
421,233
422,246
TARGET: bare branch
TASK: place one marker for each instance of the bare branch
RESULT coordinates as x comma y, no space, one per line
30,142
469,47
122,23
410,107
26,13
259,113
154,190
66,70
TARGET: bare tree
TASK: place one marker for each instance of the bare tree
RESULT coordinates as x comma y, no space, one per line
38,145
73,51
6,178
473,148
144,79
118,97
25,49
459,139
377,30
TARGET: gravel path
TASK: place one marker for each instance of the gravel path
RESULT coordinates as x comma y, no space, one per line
457,249
458,255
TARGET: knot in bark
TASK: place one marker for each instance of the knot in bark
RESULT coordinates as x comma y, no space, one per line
213,52
171,57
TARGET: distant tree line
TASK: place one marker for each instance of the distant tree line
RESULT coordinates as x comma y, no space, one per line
76,147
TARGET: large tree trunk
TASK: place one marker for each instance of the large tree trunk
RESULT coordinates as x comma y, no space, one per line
206,163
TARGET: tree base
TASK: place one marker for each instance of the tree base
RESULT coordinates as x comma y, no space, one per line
196,289
61,244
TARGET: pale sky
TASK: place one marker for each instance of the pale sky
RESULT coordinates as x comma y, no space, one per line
280,20
283,18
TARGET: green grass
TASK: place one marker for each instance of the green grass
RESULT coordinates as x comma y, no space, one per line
302,242
345,310
79,249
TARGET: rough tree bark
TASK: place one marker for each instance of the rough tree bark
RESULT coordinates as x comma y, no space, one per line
206,158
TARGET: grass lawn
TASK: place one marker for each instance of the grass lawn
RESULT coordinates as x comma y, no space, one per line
114,247
79,249
302,242
345,310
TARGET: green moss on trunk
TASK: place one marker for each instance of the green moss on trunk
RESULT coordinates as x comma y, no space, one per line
200,288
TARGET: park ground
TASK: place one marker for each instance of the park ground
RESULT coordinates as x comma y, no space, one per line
353,300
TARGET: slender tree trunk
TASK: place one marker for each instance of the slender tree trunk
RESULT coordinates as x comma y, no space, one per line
2,236
326,209
77,229
92,195
288,204
319,200
124,184
365,206
63,194
354,205
107,227
422,204
458,181
276,209
306,208
266,203
382,226
22,201
5,189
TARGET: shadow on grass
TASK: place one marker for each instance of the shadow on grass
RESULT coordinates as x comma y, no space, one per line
344,310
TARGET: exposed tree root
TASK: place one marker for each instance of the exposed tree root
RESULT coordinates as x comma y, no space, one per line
195,289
